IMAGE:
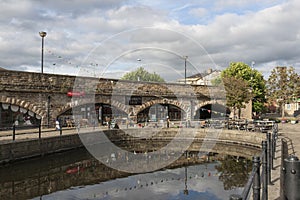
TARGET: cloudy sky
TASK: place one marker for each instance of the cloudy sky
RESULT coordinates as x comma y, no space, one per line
108,38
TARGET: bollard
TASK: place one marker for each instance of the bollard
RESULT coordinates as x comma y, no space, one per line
235,197
264,171
256,181
14,132
291,172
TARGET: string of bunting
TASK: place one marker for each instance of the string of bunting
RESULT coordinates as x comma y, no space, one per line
63,60
140,185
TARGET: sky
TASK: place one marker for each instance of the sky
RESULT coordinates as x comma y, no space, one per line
109,38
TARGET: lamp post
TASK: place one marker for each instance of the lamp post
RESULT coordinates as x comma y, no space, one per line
251,88
185,58
42,34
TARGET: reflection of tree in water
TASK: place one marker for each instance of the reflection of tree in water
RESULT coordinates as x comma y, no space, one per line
234,172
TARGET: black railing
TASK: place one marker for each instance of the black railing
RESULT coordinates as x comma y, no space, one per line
28,130
260,176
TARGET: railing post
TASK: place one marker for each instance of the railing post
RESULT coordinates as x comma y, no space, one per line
274,145
256,181
60,129
284,155
14,132
40,131
269,158
291,178
264,171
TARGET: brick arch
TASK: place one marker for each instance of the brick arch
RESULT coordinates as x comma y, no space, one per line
69,105
161,101
24,104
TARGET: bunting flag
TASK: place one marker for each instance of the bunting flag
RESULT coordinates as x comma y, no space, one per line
90,69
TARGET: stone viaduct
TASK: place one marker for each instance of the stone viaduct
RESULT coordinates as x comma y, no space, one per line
48,96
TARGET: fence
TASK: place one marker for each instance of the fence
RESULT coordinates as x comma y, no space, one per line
27,130
260,176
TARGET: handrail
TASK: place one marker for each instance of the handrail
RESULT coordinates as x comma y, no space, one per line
23,129
249,183
266,157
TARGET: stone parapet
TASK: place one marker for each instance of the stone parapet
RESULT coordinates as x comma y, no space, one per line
16,150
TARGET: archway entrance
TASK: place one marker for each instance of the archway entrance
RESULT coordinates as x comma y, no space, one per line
15,115
212,111
160,112
90,114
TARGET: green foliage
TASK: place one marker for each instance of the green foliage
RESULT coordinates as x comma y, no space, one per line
142,75
237,92
234,172
217,81
283,86
255,81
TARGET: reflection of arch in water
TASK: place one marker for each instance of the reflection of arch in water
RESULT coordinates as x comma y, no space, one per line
19,114
212,111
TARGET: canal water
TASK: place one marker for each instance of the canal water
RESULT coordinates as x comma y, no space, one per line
77,175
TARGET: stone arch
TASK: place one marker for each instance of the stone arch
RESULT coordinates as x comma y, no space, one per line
24,104
212,102
160,101
70,105
199,105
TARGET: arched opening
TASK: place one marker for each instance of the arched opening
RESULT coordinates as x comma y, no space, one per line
15,115
212,111
89,114
158,112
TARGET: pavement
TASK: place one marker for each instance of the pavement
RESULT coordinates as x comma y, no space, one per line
291,132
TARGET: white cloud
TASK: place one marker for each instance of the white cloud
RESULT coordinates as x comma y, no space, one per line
267,32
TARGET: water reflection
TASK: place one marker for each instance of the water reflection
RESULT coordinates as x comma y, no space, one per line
76,175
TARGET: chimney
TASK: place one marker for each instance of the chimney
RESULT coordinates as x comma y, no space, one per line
209,71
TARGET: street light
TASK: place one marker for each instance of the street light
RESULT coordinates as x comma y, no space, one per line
42,34
185,58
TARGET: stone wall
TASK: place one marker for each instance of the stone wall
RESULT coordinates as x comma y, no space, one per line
24,149
46,94
17,150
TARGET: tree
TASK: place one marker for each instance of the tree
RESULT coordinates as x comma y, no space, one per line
234,172
254,79
237,93
283,86
142,75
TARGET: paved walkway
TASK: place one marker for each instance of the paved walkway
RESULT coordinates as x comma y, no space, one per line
291,132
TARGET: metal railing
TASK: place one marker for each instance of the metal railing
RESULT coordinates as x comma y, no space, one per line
28,130
260,176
